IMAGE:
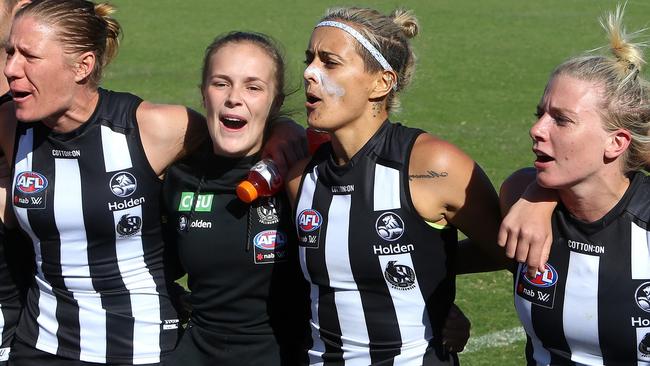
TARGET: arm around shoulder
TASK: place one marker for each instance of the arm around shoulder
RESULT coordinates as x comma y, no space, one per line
168,132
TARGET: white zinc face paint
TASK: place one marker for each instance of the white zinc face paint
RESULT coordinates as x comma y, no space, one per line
328,86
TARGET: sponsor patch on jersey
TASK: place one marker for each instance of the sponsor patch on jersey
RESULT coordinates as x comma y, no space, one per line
170,324
128,225
644,347
269,247
389,226
309,222
399,276
30,190
183,223
123,184
642,296
540,289
203,202
4,353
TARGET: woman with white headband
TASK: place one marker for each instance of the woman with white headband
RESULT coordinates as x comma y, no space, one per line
377,209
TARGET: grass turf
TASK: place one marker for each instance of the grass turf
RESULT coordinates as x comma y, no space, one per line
482,66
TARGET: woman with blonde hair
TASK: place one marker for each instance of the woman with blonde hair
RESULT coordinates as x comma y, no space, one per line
591,303
376,229
86,165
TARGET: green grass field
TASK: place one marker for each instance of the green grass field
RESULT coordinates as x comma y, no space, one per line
482,66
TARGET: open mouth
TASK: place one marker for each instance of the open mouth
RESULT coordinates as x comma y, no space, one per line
312,99
233,123
542,158
18,95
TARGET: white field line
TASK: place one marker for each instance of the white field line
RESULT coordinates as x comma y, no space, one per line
496,339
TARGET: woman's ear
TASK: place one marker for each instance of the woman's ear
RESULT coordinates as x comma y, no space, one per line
617,143
384,83
85,64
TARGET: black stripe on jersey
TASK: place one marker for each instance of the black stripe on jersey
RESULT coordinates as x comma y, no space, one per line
382,324
327,315
610,314
106,278
552,320
66,311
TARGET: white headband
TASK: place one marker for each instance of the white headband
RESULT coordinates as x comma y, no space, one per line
361,39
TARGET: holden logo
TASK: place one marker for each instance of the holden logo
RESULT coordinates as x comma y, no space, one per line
389,226
642,296
123,184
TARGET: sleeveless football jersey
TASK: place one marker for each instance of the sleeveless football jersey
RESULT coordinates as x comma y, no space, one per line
591,306
9,294
381,282
89,200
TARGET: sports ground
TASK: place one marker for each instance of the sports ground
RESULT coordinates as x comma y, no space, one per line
482,66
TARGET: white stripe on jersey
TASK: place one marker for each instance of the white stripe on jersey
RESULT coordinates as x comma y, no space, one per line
412,317
115,149
541,355
305,200
145,305
354,332
386,192
69,218
580,311
640,334
640,253
47,304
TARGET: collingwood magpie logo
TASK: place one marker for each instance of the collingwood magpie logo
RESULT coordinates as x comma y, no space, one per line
642,296
123,184
267,211
644,345
401,277
129,225
389,226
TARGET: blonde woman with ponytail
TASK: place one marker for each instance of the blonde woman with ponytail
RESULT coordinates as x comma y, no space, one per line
590,304
86,166
378,208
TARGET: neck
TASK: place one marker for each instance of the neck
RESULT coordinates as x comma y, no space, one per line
349,139
591,201
82,107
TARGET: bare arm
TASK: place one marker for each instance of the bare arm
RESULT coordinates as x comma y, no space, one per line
286,144
526,228
447,186
7,135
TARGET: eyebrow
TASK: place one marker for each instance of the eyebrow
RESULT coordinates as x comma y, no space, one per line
247,79
558,110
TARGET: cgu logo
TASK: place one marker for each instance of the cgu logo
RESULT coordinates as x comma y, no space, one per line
546,279
270,239
31,182
309,220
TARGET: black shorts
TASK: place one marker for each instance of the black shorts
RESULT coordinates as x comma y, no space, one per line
200,347
22,354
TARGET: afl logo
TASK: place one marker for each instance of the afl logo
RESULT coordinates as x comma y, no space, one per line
389,226
270,239
31,182
546,279
123,184
642,296
309,220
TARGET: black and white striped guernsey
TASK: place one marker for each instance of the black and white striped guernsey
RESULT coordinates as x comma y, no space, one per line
89,200
9,294
591,306
381,285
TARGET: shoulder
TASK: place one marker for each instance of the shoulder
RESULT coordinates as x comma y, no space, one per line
431,153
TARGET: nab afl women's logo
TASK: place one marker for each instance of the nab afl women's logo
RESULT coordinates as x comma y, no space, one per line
270,239
546,279
389,226
309,220
123,184
401,277
31,182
